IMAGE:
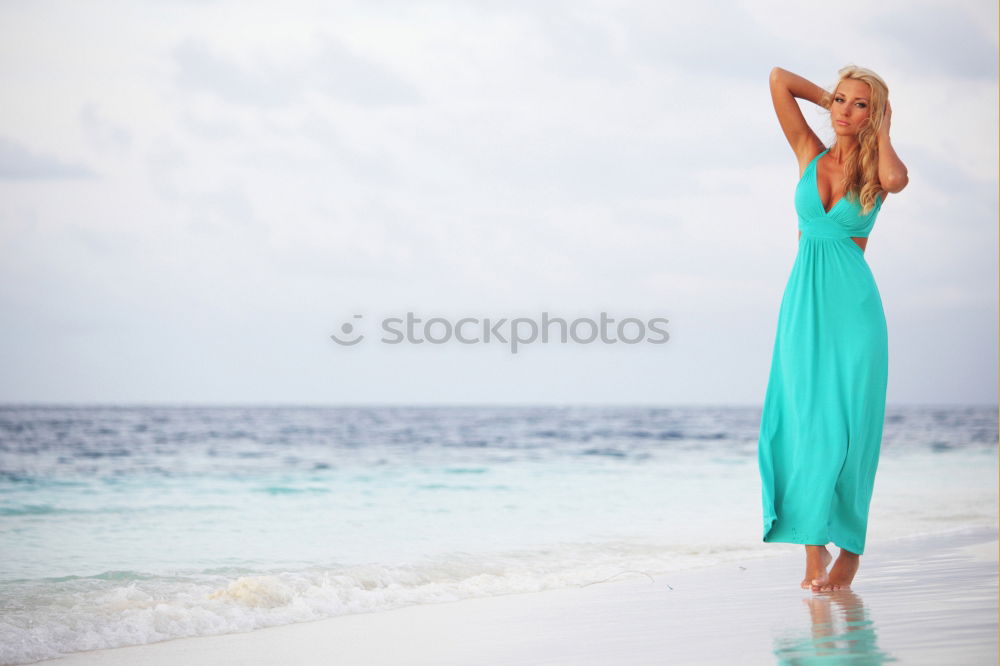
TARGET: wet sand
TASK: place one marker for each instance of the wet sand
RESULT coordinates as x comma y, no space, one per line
922,600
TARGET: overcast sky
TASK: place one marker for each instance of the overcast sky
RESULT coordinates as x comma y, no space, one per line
195,195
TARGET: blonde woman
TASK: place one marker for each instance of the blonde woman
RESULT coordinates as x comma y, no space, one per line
821,426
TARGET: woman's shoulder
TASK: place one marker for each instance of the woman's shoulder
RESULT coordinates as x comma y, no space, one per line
808,154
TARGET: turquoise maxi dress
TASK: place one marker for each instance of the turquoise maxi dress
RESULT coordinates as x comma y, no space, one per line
821,425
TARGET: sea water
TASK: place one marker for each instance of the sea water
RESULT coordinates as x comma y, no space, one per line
130,525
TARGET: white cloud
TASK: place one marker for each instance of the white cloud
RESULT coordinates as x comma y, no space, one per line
18,162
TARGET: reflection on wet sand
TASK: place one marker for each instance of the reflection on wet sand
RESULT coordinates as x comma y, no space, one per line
839,631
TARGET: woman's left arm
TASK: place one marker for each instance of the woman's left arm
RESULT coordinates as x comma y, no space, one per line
891,170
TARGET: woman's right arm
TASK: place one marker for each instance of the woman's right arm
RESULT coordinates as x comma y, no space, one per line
785,87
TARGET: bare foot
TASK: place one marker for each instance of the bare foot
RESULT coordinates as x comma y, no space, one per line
842,574
817,560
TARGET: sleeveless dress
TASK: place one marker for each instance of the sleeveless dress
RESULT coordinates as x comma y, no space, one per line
821,425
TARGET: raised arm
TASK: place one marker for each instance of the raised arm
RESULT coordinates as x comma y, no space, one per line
892,173
785,87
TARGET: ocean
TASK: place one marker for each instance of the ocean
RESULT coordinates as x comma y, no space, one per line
131,525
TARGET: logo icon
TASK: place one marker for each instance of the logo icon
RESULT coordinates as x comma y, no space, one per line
347,329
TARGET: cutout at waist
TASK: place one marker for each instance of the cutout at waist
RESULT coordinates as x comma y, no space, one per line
860,241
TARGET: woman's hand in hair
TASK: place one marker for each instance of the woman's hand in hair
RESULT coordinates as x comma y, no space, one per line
886,119
892,173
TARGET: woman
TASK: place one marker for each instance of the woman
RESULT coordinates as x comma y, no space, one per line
821,426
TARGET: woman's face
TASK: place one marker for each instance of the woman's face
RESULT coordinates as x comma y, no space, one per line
850,107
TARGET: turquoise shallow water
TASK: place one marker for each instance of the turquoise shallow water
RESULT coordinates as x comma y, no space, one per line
125,525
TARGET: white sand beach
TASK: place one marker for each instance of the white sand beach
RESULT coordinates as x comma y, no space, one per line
920,600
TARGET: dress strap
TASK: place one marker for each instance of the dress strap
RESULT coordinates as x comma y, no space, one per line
815,159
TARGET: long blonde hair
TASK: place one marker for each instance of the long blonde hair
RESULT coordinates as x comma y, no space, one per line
861,165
